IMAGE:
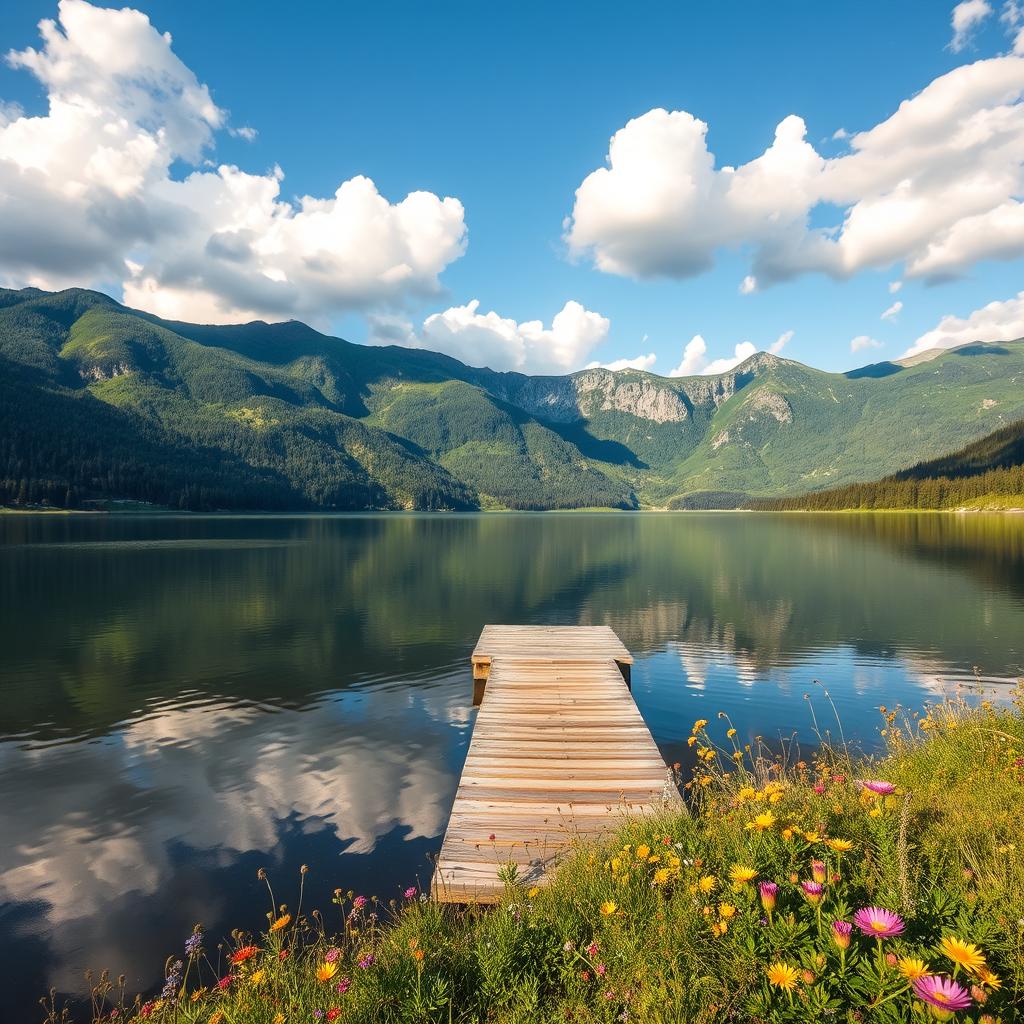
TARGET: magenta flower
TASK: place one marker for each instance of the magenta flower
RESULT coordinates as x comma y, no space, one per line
841,933
942,993
367,961
877,786
343,986
812,891
359,902
410,893
819,789
600,968
331,956
769,890
818,870
879,923
592,949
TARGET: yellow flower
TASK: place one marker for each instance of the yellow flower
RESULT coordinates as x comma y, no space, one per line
707,883
258,977
740,874
726,910
875,812
986,977
278,1018
608,907
326,971
643,852
282,922
782,976
719,928
699,724
217,1017
690,742
533,892
966,954
661,876
839,845
812,837
730,733
747,793
616,864
787,834
911,967
763,822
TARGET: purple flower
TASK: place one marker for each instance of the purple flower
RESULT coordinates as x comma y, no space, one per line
366,961
942,993
879,923
343,986
812,891
331,956
194,943
410,893
768,890
877,786
841,933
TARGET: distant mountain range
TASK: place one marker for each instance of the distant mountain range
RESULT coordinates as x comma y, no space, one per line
98,401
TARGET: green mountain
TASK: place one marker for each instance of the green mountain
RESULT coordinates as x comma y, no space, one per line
101,401
988,473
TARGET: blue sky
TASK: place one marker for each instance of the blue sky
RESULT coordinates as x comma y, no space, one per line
509,107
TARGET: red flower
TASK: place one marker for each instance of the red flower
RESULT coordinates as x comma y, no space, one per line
333,1013
224,982
245,953
147,1009
283,955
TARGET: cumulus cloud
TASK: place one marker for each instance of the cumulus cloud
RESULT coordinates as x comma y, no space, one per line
998,321
695,359
636,363
892,312
967,16
748,285
487,339
864,341
88,194
935,188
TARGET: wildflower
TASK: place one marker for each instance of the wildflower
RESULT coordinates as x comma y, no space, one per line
592,949
326,971
812,837
730,733
719,928
334,1013
841,933
600,968
746,793
410,893
608,908
279,1018
418,954
819,789
343,986
781,975
585,975
812,892
225,983
986,977
878,922
243,954
331,956
839,845
217,1017
661,876
787,834
726,910
282,955
569,946
359,902
533,892
707,884
963,954
769,891
198,994
643,852
366,961
741,874
913,968
194,944
281,923
257,977
876,786
699,724
818,872
875,812
763,822
942,994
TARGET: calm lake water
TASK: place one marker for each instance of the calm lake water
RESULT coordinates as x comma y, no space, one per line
185,700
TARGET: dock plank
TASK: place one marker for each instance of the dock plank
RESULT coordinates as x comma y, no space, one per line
559,751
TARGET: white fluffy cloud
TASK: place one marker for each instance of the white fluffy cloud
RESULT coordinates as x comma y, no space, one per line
487,339
967,16
636,363
998,321
864,341
87,194
695,359
893,311
934,188
781,342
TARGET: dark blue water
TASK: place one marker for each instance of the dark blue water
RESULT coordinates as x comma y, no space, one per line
185,700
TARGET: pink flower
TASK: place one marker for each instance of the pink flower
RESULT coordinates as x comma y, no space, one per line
224,982
879,923
592,949
818,872
768,892
877,786
812,891
600,968
367,961
410,893
343,986
943,993
331,956
359,902
819,789
841,933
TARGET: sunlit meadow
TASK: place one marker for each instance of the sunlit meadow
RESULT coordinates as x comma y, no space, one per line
889,890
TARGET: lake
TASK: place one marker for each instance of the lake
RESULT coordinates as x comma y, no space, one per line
188,699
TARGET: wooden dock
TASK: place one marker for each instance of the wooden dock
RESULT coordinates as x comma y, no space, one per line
559,749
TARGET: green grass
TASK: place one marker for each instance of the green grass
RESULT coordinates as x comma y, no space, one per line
657,925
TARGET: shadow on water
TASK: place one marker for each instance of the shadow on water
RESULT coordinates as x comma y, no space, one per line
185,699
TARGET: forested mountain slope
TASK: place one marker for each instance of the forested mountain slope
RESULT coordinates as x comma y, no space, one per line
100,401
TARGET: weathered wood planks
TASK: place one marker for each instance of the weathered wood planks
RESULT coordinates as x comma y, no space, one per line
559,750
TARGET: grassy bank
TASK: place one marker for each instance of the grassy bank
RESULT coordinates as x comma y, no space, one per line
888,891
